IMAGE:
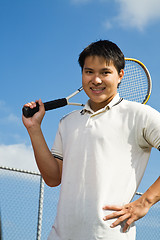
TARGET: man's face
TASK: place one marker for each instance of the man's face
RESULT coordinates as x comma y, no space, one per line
100,81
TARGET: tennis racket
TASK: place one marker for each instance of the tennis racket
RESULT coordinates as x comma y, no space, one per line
135,86
28,112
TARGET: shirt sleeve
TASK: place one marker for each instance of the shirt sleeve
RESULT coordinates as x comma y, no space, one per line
151,130
57,149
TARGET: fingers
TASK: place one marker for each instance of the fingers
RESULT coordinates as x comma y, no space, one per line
37,110
122,214
33,104
118,211
112,207
39,101
121,219
114,215
30,104
127,224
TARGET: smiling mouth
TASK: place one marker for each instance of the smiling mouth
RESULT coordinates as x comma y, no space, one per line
97,90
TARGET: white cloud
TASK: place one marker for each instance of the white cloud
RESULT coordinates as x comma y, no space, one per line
130,13
138,13
18,156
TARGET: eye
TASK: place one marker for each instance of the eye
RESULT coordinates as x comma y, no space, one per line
88,71
105,73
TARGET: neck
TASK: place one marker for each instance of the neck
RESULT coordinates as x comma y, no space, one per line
97,106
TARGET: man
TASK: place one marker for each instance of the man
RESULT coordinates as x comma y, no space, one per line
99,155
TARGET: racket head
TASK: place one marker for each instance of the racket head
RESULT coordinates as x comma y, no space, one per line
136,84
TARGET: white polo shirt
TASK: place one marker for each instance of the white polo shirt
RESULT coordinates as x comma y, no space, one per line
104,155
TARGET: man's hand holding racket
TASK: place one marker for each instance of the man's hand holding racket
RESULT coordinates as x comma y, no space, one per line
36,119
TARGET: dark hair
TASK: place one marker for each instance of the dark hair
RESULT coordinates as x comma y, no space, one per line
104,48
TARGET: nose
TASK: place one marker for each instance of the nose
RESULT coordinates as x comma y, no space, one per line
96,80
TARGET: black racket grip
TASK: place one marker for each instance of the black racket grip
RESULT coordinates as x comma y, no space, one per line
29,112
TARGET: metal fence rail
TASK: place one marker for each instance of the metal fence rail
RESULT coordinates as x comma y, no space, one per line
28,208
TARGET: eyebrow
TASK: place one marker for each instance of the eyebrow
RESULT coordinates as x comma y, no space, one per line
103,69
87,68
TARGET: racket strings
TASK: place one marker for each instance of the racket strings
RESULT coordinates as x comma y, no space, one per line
134,85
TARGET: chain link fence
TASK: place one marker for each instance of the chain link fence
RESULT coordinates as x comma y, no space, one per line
28,208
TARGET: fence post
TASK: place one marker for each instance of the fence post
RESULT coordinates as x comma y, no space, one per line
40,209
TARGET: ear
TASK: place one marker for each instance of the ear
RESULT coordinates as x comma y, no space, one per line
121,74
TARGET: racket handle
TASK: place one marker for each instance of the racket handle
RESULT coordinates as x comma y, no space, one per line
29,112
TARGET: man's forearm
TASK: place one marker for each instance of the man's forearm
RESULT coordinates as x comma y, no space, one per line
46,162
152,195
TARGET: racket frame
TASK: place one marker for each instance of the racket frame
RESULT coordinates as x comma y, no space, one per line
148,78
72,95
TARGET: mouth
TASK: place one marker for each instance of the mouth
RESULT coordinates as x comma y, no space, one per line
97,90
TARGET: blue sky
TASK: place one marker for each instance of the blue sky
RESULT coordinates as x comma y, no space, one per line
40,43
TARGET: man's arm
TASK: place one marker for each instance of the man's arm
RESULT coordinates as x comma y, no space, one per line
49,166
135,210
